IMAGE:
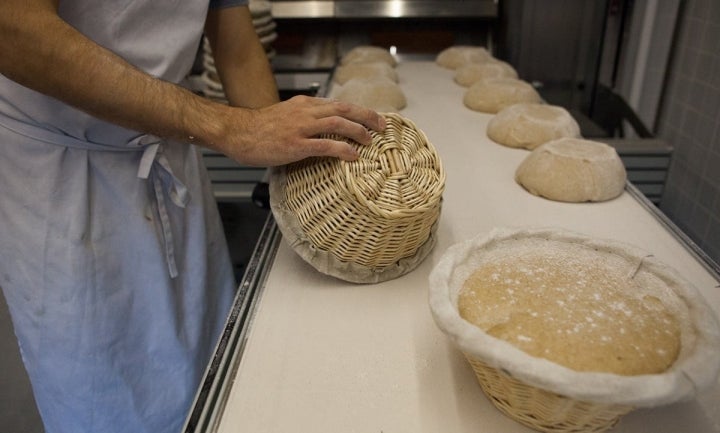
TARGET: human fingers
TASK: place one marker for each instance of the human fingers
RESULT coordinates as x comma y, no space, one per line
325,107
333,148
341,126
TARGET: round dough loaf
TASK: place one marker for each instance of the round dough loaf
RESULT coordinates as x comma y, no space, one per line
368,54
344,73
575,306
459,55
380,94
530,125
573,170
492,95
471,73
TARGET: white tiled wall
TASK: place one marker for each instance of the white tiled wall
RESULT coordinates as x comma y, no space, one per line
690,121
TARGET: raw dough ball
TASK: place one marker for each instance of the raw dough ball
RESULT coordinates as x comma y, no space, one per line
492,95
380,94
368,54
364,70
469,74
459,55
573,170
575,306
530,125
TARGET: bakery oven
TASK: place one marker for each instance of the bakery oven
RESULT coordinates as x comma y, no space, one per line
313,34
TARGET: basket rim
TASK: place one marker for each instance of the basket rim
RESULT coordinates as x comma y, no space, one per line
684,379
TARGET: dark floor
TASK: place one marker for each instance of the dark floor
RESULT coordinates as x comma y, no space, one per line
18,413
242,222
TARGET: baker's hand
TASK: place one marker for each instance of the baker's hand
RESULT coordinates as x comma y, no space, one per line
289,131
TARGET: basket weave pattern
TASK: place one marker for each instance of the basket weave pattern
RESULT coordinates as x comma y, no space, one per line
376,210
542,410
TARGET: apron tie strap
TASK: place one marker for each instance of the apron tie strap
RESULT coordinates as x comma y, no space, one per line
155,167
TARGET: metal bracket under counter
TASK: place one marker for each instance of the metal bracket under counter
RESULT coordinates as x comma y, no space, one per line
647,161
358,9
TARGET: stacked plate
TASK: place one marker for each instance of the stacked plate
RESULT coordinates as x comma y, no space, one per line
261,13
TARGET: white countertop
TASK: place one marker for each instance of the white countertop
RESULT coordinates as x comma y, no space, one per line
326,356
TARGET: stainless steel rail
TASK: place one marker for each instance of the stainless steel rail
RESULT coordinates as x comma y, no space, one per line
212,396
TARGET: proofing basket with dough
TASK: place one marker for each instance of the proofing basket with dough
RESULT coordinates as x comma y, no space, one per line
369,220
549,397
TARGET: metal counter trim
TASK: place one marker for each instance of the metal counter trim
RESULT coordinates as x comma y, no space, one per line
212,395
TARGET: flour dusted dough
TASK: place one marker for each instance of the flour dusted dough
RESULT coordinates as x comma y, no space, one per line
696,367
380,94
573,170
492,95
344,73
577,307
530,125
471,73
459,55
368,54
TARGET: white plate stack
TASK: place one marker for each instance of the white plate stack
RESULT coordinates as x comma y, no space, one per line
261,13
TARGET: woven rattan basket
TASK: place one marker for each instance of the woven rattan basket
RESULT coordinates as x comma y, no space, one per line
542,410
368,220
545,395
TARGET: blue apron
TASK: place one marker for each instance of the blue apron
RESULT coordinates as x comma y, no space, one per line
112,255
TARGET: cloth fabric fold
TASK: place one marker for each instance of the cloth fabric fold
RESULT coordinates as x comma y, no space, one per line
96,247
165,183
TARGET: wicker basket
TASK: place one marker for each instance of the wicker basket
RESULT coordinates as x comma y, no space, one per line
549,397
542,410
368,220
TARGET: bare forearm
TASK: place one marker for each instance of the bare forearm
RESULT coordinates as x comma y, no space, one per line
253,84
108,88
240,58
68,66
